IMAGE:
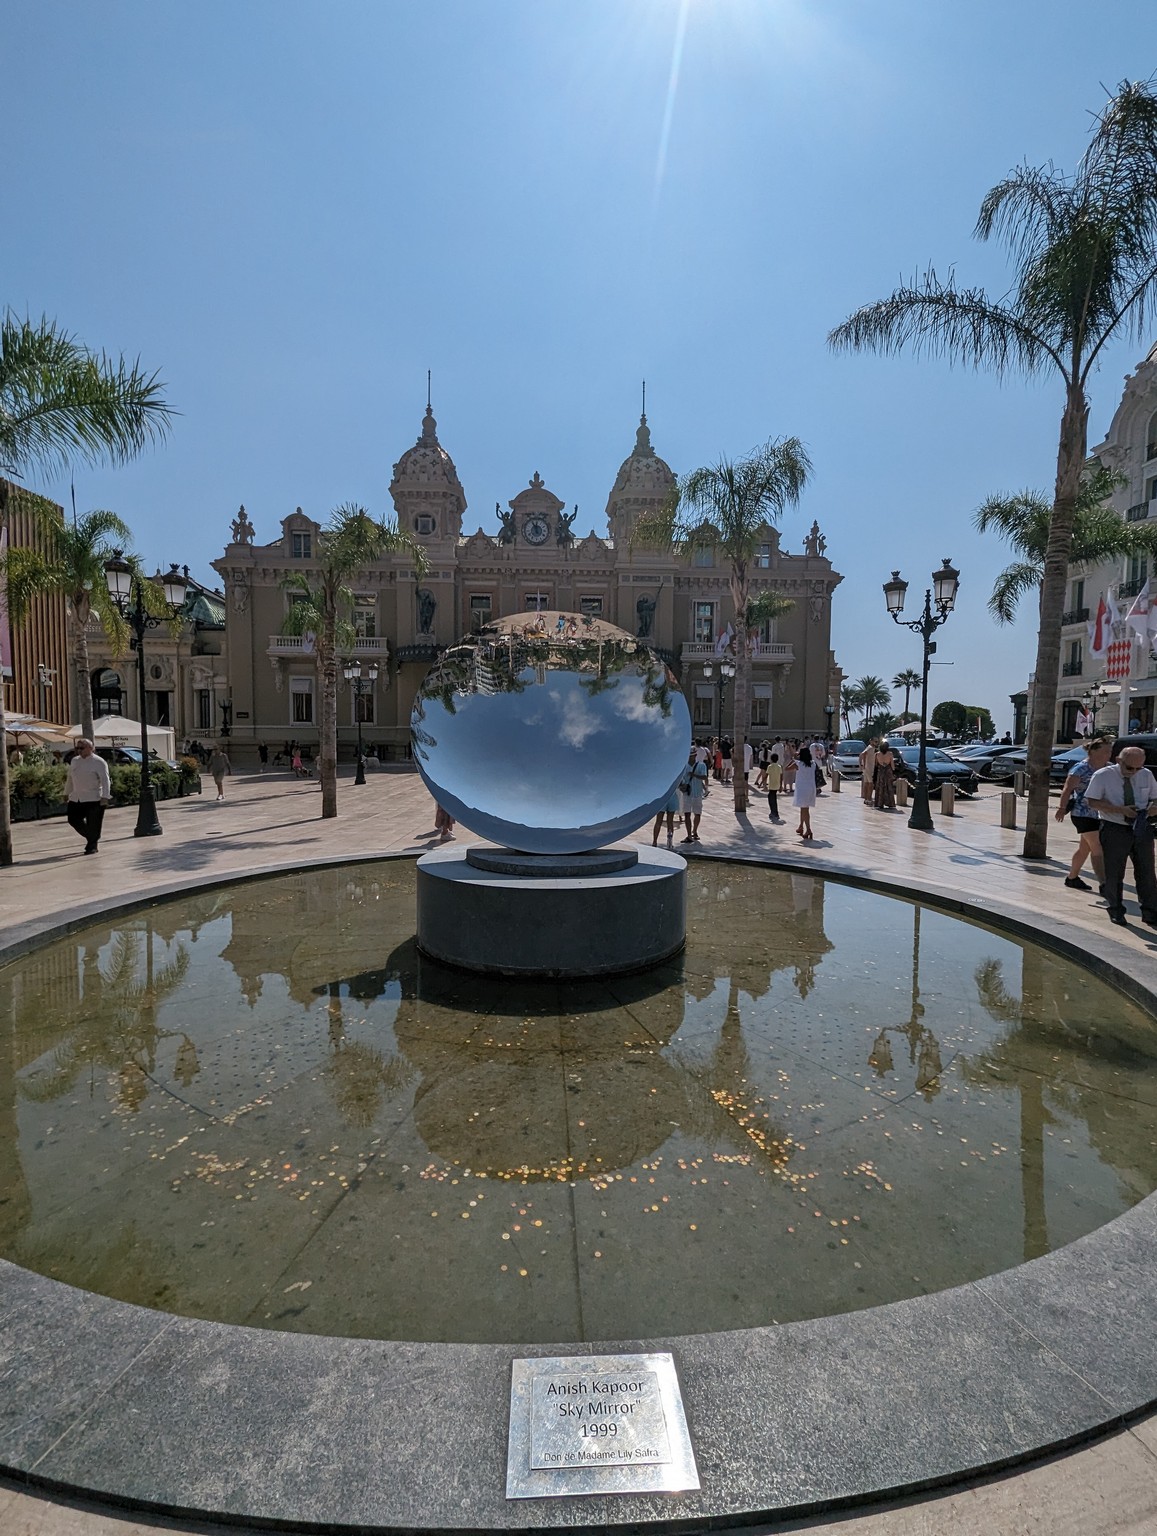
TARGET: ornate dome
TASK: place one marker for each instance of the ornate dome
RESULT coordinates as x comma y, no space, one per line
427,462
643,473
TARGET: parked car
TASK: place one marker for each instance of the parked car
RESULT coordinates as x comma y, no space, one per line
942,770
123,757
1002,769
845,760
1146,740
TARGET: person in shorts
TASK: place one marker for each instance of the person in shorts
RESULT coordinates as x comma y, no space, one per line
1087,824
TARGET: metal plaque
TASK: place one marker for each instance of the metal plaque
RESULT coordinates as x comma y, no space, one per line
582,1424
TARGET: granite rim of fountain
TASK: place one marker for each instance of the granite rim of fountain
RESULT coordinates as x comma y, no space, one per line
145,1411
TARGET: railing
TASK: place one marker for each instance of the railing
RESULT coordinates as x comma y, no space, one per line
1071,669
1075,616
303,645
1138,512
1131,588
762,650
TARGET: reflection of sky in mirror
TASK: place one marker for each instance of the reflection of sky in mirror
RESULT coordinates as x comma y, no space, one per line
590,762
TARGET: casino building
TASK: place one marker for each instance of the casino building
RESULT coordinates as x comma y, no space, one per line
401,623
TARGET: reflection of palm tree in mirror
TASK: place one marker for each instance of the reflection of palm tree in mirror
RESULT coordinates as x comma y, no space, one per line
117,1030
506,657
923,1046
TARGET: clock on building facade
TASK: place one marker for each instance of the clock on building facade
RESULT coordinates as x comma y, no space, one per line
536,530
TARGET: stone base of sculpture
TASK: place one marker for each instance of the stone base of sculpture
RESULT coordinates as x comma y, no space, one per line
493,910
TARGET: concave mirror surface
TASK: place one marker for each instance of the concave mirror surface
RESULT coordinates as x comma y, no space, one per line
551,732
259,1106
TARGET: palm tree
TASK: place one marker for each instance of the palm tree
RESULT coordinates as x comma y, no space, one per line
731,505
908,679
320,605
872,695
1099,535
59,402
1084,249
849,699
71,565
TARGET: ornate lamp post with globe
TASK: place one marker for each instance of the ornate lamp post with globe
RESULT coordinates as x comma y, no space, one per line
127,590
945,581
726,672
361,682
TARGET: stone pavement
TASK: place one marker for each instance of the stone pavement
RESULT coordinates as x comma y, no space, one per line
272,821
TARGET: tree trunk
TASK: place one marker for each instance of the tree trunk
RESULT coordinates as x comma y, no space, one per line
80,670
5,808
739,700
1071,452
327,755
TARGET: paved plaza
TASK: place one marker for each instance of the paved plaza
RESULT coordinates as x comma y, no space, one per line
272,821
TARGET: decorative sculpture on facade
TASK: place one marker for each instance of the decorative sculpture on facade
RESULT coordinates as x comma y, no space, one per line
507,531
815,543
564,535
427,604
645,612
243,529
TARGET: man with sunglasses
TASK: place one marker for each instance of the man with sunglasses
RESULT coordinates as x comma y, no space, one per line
1124,796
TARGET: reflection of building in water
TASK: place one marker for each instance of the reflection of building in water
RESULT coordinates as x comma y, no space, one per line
680,605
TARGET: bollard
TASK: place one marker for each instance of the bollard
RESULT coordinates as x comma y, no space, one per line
835,783
902,792
1008,808
1020,783
948,800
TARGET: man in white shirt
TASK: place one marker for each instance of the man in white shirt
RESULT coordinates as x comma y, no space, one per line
748,759
1124,796
87,791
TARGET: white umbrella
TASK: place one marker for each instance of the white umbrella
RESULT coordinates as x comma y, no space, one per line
120,731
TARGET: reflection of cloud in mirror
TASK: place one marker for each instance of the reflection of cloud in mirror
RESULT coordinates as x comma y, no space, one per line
576,719
634,707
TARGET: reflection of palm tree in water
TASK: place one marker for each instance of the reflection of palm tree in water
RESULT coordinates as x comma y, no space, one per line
923,1046
117,1030
1002,1061
358,1077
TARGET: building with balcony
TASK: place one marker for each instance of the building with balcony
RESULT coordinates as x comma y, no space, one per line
1130,449
533,560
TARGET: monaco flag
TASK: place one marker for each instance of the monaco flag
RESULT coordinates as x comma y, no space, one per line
1119,659
1101,627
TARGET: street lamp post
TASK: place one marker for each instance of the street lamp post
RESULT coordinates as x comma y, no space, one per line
127,590
945,582
726,672
1090,703
360,683
829,712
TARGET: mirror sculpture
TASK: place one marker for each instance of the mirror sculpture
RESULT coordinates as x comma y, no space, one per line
551,733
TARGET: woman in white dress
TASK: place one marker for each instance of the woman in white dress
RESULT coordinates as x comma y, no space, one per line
804,794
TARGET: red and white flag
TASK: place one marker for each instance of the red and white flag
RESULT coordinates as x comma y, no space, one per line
1119,659
1101,625
724,639
1142,616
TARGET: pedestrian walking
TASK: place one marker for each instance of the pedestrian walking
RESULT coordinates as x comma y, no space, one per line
1124,795
790,766
774,775
804,794
87,791
762,758
263,755
868,771
443,825
670,811
296,763
725,767
219,766
885,778
691,787
1084,819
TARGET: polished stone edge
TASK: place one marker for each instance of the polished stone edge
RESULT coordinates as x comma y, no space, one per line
201,1420
550,866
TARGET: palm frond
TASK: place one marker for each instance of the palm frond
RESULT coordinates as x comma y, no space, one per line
60,402
936,319
1010,586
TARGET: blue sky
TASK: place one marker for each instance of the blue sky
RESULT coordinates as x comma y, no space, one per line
293,210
